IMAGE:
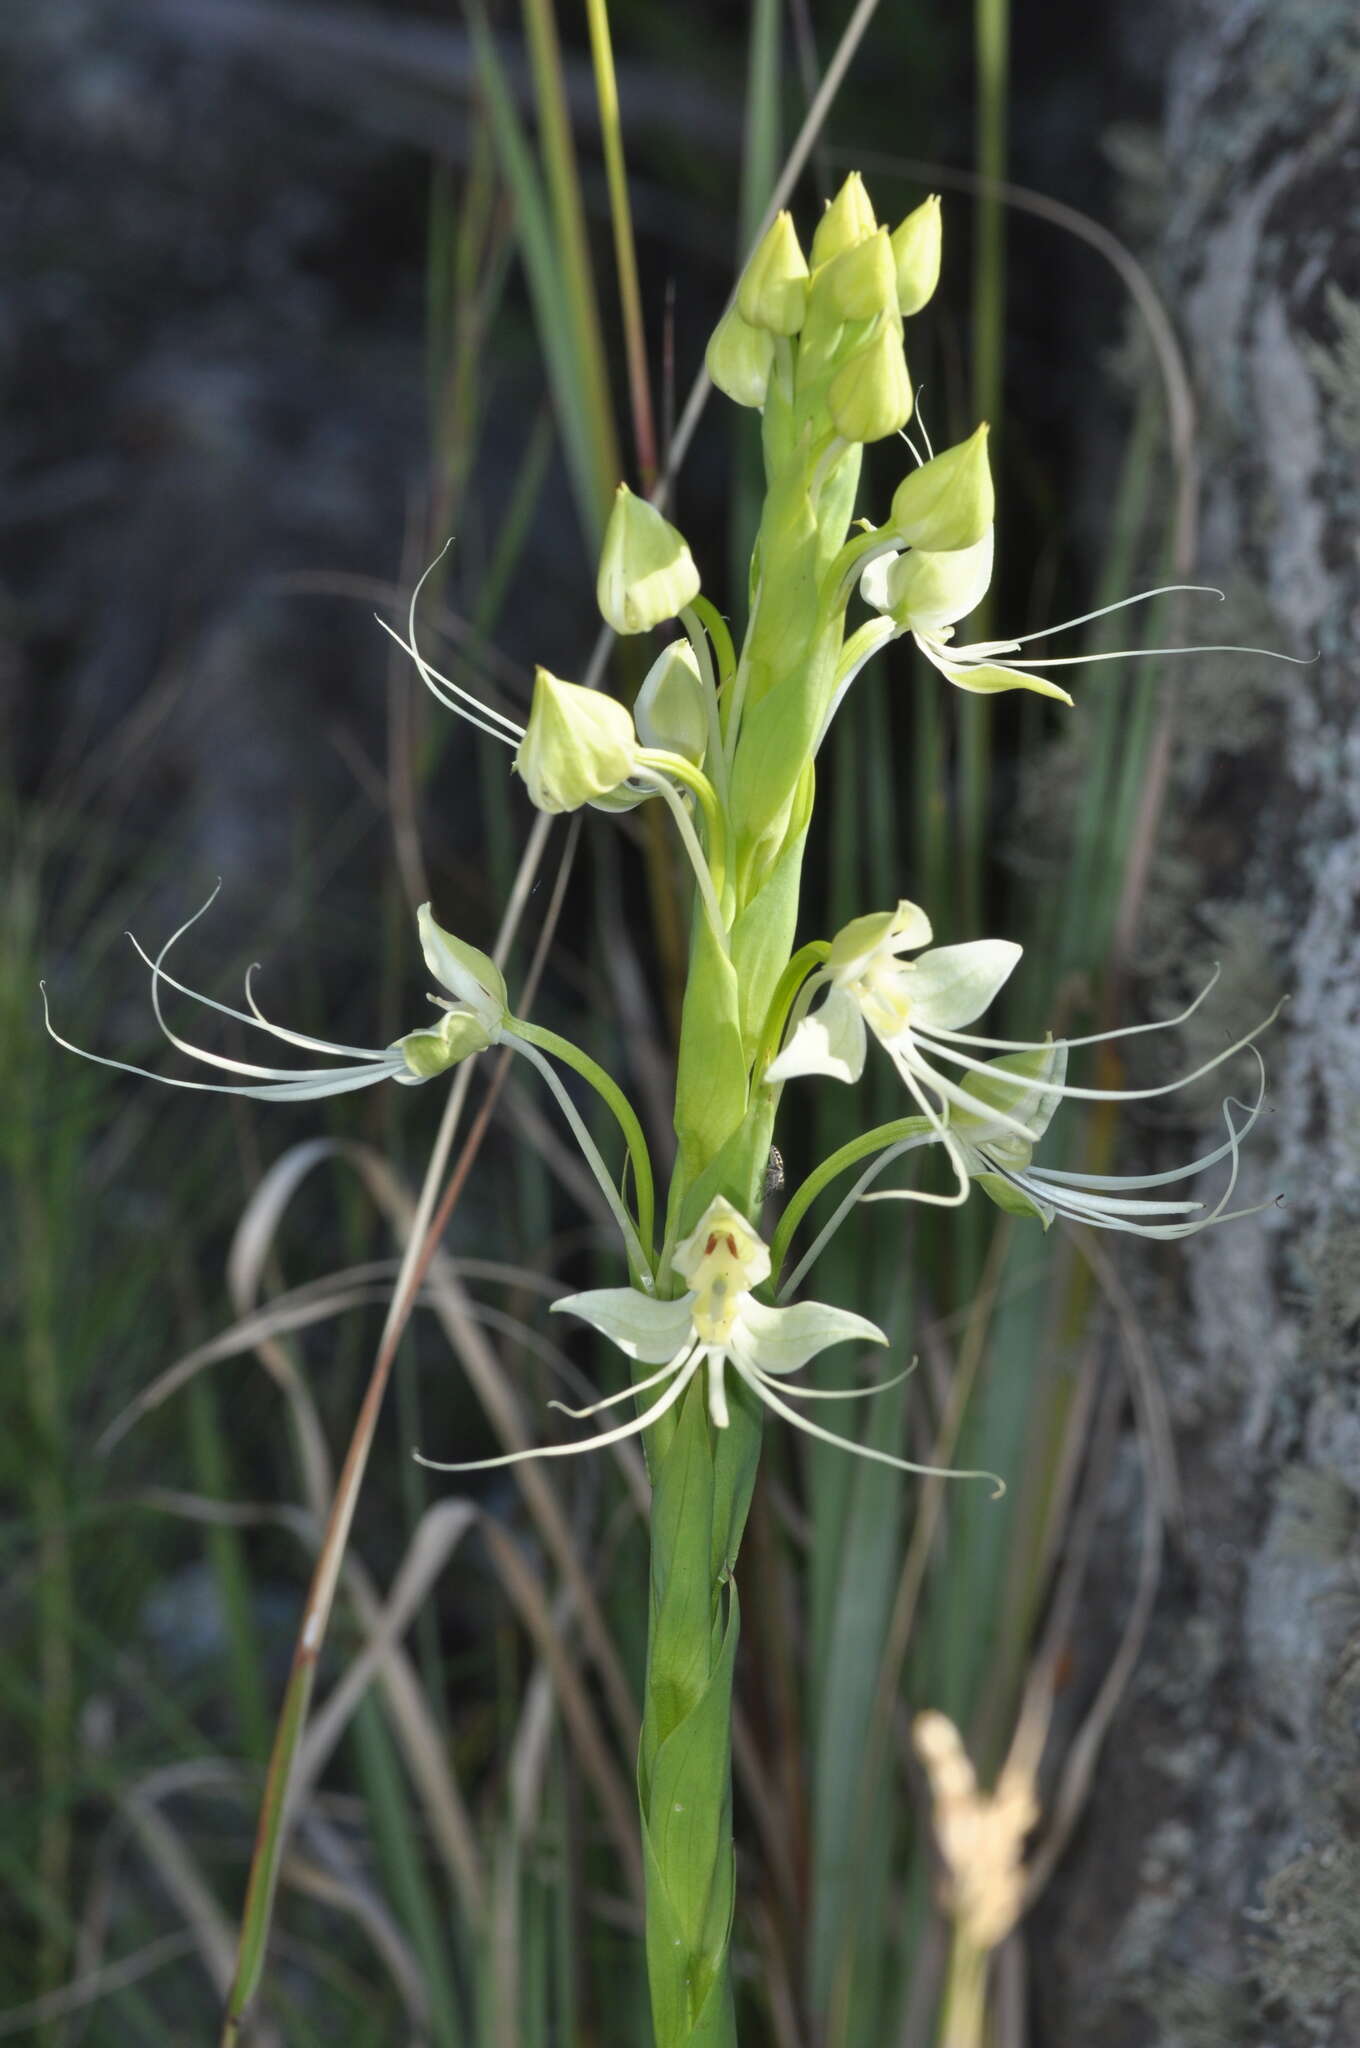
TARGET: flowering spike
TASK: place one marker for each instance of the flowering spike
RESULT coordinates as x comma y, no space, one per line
647,572
773,289
948,502
579,745
916,247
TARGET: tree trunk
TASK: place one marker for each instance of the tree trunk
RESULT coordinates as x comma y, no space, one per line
1214,1894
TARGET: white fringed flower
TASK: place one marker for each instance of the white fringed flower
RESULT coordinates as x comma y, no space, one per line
716,1323
992,1115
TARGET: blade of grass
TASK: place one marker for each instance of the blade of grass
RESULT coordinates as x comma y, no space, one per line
428,1224
625,251
991,36
582,413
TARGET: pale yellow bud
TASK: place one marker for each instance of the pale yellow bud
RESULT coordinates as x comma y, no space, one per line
861,283
870,395
948,502
773,289
739,359
579,745
916,244
849,218
647,572
669,710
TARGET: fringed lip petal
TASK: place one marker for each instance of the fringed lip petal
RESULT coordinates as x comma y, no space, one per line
764,1391
985,678
363,1066
684,1373
339,1081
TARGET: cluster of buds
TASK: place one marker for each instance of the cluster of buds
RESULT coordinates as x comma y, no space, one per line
845,307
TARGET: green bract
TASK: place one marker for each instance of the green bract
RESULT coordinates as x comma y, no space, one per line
579,745
647,572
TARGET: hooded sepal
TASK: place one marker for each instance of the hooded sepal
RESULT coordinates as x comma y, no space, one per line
579,745
647,573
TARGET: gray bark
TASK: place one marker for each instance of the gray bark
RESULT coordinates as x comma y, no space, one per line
1214,1894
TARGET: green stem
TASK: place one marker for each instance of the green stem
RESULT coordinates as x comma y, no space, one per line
638,1258
608,1089
701,1491
830,1169
625,249
991,29
715,625
703,654
708,883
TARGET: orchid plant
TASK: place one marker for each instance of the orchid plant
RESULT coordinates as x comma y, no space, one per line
727,739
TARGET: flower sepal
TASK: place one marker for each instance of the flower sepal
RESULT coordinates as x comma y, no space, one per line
647,573
949,501
579,745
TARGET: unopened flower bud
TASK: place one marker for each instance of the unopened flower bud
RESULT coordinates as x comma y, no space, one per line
647,572
849,218
579,745
870,395
916,256
861,283
669,710
739,359
948,502
773,289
